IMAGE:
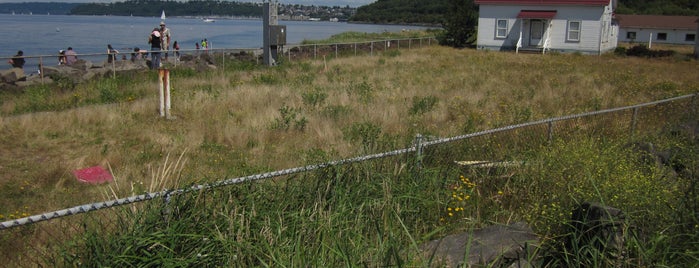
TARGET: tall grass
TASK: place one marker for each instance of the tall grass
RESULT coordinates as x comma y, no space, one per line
228,124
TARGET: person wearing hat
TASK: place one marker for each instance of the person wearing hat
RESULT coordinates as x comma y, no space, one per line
61,57
165,38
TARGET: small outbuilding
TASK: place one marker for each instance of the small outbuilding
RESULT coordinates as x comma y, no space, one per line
679,30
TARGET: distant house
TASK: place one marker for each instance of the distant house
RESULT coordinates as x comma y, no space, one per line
585,26
681,30
696,42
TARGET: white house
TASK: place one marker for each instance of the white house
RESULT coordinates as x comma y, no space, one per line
585,26
681,30
696,42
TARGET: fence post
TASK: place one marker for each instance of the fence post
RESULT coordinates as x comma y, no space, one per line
113,64
355,49
41,69
315,50
550,131
336,45
418,150
634,117
164,89
371,50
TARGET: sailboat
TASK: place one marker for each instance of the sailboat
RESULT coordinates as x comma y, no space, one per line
162,15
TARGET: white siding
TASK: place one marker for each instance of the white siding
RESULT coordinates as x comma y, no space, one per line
643,36
590,17
696,42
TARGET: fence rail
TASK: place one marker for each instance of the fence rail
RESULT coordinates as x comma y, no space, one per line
290,51
419,146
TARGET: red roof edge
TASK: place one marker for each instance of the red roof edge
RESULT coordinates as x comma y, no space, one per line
536,14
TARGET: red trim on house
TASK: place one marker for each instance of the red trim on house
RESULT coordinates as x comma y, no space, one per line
544,2
657,22
536,14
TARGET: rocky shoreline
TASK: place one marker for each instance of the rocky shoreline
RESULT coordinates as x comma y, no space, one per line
16,79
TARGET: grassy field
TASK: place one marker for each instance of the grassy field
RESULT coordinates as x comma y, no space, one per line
245,119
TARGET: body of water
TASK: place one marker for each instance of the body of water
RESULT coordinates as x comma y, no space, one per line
47,34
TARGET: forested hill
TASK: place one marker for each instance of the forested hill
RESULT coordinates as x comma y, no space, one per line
432,11
37,8
403,12
174,8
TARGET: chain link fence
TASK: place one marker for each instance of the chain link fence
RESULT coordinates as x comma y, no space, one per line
36,241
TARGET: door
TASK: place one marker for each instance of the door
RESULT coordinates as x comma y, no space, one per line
536,33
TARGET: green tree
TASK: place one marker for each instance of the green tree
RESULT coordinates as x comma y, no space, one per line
460,24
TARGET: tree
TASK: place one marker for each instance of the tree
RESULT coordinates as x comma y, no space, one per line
460,24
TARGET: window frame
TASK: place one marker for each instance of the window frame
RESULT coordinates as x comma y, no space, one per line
664,35
570,31
687,39
631,35
498,28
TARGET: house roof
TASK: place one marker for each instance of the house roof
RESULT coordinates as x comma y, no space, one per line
657,22
536,14
544,2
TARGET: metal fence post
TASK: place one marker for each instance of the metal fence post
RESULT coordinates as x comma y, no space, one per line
418,150
550,131
315,50
634,117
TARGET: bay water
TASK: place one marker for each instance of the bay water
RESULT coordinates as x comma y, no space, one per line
45,34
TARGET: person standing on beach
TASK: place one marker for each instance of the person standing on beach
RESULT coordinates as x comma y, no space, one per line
165,38
155,45
71,56
18,60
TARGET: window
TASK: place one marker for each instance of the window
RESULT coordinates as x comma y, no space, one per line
501,29
631,35
661,36
690,37
573,31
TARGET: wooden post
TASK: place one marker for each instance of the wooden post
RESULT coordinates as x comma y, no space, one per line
164,89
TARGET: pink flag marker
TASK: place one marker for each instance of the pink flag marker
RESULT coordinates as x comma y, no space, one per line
95,175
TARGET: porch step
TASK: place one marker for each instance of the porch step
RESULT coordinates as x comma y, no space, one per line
531,50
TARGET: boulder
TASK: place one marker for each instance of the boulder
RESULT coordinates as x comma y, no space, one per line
13,75
496,246
599,227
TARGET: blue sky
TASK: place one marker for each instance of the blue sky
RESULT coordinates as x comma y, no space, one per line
352,3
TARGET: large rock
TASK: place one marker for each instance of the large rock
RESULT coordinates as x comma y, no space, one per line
493,246
599,227
13,75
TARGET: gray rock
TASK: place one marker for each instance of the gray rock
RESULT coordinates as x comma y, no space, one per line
13,75
496,246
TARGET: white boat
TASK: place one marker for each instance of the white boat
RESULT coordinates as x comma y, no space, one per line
162,15
209,20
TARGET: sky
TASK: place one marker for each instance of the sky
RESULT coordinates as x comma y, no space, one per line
342,3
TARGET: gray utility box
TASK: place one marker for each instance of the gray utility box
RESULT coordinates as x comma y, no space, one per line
277,35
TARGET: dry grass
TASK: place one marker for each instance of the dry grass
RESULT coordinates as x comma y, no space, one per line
224,124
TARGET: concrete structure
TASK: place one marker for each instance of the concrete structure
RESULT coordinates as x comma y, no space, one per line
584,26
680,30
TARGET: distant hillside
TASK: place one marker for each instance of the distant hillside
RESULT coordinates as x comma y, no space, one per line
402,12
174,8
432,11
37,8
